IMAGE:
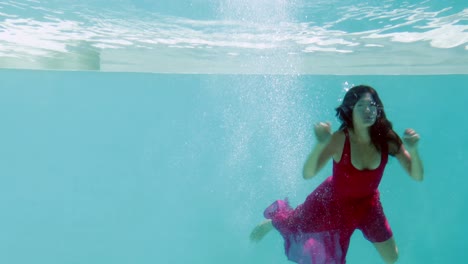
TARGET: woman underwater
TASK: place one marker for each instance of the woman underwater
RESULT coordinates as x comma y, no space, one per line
319,230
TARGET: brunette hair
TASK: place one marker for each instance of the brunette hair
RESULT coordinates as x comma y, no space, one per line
381,132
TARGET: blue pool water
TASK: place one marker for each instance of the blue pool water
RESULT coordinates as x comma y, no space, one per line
236,36
111,153
145,168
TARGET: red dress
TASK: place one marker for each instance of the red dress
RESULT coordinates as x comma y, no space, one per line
319,230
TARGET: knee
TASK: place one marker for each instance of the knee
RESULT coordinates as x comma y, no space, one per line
388,251
391,257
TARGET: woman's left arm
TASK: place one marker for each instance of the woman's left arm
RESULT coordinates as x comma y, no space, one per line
409,156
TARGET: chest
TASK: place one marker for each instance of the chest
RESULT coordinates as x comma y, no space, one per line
364,156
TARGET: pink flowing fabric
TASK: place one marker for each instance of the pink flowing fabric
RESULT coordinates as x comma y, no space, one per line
319,230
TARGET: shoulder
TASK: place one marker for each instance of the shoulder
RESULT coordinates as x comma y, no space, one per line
393,148
338,135
337,141
394,145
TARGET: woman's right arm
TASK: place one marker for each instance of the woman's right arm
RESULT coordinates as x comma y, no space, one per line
322,152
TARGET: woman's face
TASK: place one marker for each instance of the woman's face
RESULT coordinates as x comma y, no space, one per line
365,111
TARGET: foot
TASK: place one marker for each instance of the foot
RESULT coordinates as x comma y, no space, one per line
261,230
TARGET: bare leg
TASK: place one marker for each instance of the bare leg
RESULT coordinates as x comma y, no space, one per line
387,250
261,230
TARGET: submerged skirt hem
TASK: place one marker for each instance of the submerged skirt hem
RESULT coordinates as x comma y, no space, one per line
321,247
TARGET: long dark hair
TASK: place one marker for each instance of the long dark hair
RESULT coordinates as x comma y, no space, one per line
381,132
